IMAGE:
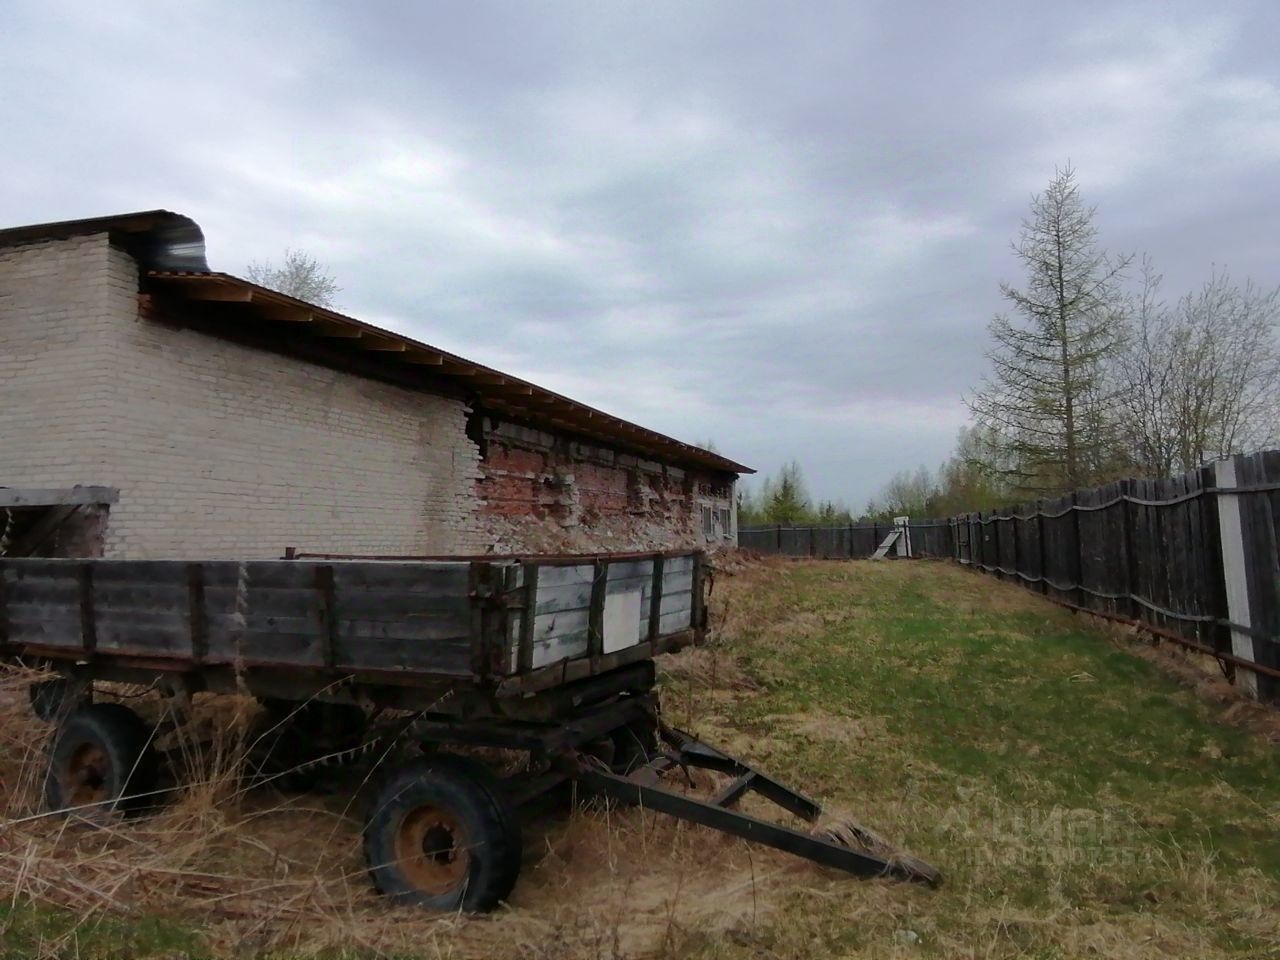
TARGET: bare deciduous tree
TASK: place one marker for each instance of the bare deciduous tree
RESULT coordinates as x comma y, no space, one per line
298,275
1046,401
1201,379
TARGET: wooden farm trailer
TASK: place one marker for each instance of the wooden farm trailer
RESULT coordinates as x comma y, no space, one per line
548,656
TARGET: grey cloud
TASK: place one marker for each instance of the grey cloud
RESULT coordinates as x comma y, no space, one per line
778,227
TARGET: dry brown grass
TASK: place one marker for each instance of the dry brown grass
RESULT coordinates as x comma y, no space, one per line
256,870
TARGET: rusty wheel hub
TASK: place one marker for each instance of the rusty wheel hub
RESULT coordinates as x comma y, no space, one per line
85,779
431,848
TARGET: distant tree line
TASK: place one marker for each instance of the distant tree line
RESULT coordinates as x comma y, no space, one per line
784,498
1094,376
964,482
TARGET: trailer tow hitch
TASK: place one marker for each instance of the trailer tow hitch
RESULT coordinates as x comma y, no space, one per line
844,846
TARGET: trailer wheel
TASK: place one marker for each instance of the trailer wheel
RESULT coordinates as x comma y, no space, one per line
439,836
101,761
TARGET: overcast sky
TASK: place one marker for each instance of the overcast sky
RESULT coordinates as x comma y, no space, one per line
779,227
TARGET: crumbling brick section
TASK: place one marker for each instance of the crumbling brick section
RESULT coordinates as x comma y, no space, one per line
543,492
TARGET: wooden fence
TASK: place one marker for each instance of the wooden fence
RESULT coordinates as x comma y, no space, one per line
929,538
1191,558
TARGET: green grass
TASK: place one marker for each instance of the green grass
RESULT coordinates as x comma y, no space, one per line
29,931
1069,789
1080,801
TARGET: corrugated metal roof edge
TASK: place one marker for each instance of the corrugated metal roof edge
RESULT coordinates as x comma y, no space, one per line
647,441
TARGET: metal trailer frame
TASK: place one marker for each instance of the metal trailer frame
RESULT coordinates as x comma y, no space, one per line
559,754
563,718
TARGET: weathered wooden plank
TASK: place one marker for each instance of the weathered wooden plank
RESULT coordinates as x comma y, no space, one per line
675,621
303,649
673,602
678,564
577,596
564,621
435,578
130,596
139,571
673,581
164,638
655,597
566,596
284,602
452,658
595,632
45,613
556,576
260,574
221,625
52,633
560,647
418,629
59,592
643,582
390,606
626,569
172,620
524,658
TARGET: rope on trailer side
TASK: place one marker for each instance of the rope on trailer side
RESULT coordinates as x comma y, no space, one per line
240,625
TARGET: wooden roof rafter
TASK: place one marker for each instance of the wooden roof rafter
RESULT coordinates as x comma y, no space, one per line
492,388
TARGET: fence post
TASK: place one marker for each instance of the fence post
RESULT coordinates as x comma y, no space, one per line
1129,521
1235,572
1013,513
1077,554
994,526
1044,575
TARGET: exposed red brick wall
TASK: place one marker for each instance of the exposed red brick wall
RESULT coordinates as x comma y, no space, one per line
539,491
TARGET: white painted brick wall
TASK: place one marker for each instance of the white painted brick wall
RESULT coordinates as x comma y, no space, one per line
217,449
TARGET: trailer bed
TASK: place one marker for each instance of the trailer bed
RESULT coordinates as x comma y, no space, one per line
510,625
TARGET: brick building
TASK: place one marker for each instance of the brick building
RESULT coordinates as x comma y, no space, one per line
151,408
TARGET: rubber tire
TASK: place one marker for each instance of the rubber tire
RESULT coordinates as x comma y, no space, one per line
467,790
485,778
49,698
125,739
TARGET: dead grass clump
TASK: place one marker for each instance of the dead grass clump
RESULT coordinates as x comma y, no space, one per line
821,725
255,870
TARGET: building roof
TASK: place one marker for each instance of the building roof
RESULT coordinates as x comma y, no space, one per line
170,251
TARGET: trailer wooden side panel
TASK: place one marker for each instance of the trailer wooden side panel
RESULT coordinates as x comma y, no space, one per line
477,619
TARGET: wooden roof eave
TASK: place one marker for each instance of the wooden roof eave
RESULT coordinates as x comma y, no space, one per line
527,400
